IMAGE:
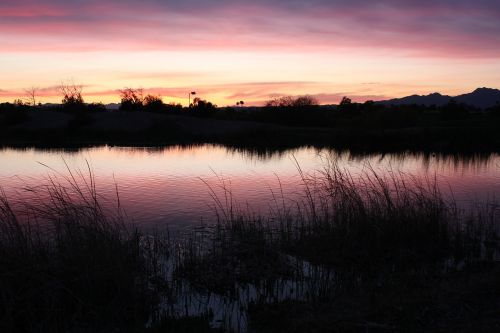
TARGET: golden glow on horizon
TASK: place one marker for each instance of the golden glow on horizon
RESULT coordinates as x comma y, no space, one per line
239,50
227,77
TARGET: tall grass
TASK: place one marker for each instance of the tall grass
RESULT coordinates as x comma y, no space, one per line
361,221
68,264
383,237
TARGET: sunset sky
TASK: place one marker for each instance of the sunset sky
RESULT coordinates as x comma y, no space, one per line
249,50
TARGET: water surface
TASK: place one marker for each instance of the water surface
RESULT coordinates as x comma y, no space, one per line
172,186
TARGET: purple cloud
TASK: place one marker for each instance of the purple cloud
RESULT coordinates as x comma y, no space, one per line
446,28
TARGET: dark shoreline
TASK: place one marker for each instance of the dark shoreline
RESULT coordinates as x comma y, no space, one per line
47,129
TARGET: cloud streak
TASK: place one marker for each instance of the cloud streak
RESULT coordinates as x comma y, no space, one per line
425,28
253,93
230,50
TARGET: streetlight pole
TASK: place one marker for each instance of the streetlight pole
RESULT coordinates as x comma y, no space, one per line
191,93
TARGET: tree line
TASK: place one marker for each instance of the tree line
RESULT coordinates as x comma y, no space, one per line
289,110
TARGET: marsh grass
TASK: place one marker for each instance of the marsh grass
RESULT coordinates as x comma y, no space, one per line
69,265
352,238
352,244
362,222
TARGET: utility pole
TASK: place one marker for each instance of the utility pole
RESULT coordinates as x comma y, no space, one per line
191,93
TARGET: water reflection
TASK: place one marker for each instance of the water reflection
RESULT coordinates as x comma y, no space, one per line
168,185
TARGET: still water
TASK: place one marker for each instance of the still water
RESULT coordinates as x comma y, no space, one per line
172,186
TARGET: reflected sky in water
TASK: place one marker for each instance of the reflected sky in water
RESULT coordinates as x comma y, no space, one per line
171,186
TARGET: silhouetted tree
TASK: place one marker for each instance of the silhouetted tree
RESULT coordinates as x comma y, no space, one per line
72,96
131,99
153,103
31,95
301,110
305,101
284,101
346,105
202,108
19,102
345,101
289,101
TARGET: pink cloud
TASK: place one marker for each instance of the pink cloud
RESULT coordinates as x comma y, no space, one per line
427,30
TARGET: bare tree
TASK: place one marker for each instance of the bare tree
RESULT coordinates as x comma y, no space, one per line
131,99
72,93
31,94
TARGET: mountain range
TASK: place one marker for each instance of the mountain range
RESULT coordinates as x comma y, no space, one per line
481,98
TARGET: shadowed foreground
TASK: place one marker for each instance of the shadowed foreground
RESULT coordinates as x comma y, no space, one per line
367,255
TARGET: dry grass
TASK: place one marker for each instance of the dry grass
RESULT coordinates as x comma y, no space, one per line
68,264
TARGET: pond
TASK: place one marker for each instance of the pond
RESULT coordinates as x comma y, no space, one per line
174,186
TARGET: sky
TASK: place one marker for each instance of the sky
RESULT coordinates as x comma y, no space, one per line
235,50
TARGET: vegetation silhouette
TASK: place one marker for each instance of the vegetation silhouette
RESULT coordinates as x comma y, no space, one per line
31,94
202,108
382,245
131,99
134,100
282,121
388,254
72,97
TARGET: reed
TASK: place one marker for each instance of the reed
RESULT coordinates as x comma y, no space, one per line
356,242
69,265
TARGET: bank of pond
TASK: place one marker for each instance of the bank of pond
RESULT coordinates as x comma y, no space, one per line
358,126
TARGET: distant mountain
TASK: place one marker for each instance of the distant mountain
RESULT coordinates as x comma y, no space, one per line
432,99
112,106
481,98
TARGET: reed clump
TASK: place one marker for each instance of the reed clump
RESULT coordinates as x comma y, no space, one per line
364,223
396,224
357,251
69,265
